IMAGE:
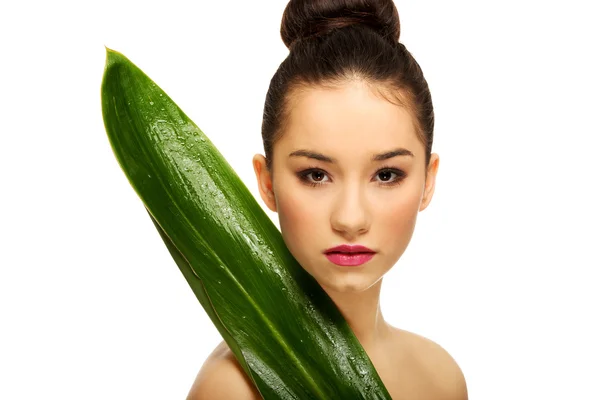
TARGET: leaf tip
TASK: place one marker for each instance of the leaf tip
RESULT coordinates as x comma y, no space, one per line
113,56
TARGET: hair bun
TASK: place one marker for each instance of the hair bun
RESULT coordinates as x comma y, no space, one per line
306,18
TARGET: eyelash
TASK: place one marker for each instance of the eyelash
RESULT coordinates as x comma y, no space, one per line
303,175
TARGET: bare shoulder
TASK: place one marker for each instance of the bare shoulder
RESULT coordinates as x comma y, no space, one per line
222,378
437,366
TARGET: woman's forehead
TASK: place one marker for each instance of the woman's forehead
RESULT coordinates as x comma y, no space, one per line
348,117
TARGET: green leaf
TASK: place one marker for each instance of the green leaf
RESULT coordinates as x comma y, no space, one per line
284,330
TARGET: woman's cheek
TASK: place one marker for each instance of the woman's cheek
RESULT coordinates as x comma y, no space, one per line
304,228
292,219
401,220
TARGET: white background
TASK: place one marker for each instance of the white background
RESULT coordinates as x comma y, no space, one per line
501,270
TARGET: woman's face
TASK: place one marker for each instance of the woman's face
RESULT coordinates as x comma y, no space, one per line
337,179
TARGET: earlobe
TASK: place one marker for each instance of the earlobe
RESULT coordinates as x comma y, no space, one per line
265,183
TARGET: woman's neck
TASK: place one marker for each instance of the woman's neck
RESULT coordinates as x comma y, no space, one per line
363,314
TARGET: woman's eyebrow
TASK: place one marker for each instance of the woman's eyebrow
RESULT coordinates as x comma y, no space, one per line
400,151
376,157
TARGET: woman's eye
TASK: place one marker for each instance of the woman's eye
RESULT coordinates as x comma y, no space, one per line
313,177
386,176
317,175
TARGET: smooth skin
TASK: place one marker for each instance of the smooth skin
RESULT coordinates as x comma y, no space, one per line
334,192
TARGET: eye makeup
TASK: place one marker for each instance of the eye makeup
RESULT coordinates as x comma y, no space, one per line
305,176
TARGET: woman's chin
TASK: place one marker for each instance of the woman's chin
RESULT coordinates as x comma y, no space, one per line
346,284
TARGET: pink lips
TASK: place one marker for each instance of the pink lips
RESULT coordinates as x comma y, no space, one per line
348,255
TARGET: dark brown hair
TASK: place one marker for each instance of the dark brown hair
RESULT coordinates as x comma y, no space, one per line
333,41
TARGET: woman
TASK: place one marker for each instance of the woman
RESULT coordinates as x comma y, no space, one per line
347,131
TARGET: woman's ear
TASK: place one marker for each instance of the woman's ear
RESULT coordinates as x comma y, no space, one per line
432,169
264,180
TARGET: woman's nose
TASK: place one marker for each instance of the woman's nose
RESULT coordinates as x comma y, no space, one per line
350,214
